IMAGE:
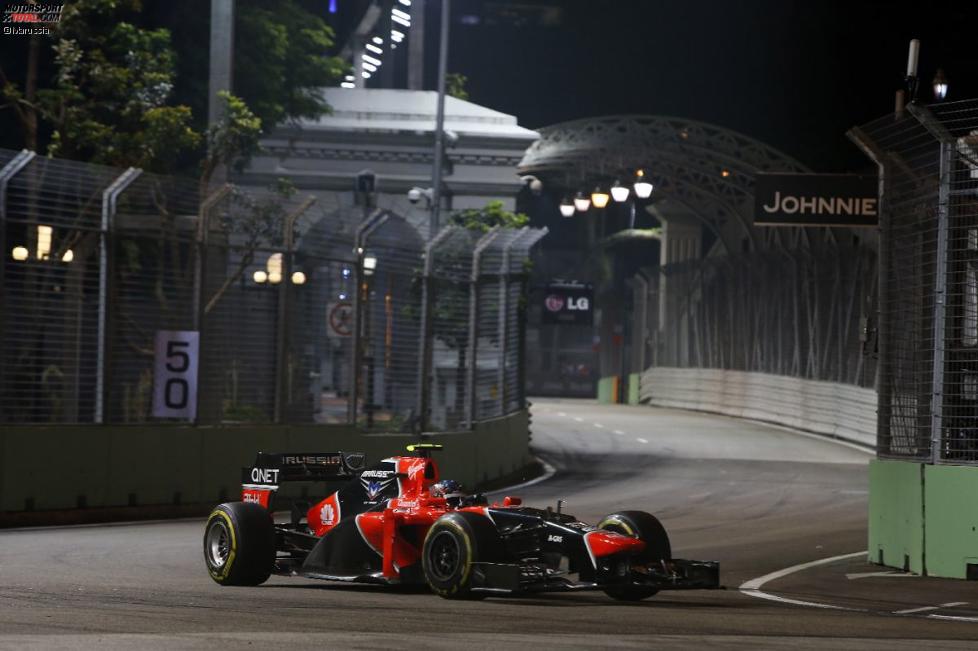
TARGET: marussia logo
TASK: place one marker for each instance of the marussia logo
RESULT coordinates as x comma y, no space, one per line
555,303
374,488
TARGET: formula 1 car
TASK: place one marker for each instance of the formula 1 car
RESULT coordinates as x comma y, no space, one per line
398,522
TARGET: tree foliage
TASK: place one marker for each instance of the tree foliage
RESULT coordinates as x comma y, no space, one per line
491,215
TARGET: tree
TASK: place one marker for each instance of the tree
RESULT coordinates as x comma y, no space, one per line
455,85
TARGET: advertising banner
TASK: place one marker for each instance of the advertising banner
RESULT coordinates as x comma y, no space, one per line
816,200
568,303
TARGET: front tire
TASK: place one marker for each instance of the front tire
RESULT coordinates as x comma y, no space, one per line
239,544
647,528
454,542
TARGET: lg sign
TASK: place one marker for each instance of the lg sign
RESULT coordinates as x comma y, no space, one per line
570,303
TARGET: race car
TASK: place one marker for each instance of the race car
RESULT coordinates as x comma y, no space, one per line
398,522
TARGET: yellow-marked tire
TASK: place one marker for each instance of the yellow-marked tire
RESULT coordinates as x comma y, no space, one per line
454,542
647,528
239,544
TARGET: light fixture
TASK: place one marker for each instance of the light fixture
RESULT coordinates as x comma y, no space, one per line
619,192
348,84
567,207
643,187
406,3
369,67
20,253
399,20
274,267
940,85
378,40
400,14
397,35
599,198
724,172
44,242
365,74
369,264
582,202
260,276
370,59
348,78
373,48
298,278
68,256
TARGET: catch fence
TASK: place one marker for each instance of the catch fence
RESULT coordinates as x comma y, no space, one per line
303,315
928,390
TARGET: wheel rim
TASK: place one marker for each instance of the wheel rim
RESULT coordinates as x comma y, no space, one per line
443,555
218,543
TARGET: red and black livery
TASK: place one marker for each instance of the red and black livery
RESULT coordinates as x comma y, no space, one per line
393,523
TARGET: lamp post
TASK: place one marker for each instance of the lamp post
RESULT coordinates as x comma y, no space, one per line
940,85
369,267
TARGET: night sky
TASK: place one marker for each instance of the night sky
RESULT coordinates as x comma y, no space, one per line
796,75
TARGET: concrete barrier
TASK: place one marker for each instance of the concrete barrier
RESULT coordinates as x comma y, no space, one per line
923,517
50,468
841,410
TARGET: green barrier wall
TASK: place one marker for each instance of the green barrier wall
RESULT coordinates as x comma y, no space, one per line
608,390
634,380
951,518
896,531
66,467
925,514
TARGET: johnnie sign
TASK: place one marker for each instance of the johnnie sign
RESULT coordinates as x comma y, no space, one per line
816,200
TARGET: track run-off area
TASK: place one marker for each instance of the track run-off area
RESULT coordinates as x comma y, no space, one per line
783,512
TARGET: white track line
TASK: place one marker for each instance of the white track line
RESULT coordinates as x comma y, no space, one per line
640,440
599,425
619,432
578,419
548,472
752,588
922,609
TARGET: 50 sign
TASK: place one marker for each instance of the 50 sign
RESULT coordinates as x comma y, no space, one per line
175,374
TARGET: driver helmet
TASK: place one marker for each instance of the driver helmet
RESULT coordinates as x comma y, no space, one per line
450,489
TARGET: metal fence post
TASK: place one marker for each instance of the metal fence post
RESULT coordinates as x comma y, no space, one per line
9,171
470,398
281,334
424,356
503,318
883,260
203,230
366,227
946,162
109,197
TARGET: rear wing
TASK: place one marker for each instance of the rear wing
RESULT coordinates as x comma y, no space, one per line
272,468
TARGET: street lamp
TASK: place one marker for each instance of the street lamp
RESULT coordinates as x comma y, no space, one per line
599,198
940,85
369,264
567,208
643,187
619,192
20,253
582,202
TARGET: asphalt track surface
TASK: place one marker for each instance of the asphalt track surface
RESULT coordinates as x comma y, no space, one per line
756,498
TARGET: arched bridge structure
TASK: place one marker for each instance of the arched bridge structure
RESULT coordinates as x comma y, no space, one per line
706,169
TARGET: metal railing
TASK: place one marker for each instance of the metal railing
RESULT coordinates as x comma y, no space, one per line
797,308
928,391
304,315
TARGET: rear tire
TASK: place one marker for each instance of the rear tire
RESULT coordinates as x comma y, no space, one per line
647,528
239,544
454,542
